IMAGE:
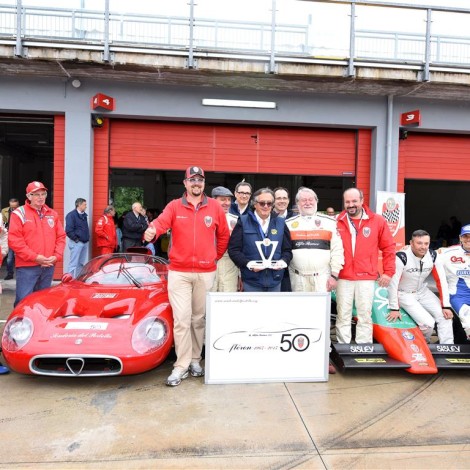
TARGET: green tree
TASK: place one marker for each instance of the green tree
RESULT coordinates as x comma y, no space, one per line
125,196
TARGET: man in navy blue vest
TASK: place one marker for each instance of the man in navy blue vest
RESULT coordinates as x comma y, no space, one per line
78,234
260,245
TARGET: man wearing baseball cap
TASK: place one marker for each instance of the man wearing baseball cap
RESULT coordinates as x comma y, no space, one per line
38,239
456,260
227,274
199,237
194,171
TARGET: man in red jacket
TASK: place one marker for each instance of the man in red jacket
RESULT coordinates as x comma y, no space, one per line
37,237
364,233
199,237
105,230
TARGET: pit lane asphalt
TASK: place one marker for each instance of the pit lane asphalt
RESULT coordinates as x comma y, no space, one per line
360,420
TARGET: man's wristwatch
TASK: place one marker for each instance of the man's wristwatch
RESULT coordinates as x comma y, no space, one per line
334,277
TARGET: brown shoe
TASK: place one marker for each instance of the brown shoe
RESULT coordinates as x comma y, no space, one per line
331,368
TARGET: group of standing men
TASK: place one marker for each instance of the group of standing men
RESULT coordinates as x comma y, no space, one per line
220,245
320,253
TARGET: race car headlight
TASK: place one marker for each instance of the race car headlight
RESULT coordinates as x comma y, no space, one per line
148,335
18,332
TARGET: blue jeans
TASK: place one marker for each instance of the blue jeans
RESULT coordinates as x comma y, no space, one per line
78,256
252,288
10,262
31,279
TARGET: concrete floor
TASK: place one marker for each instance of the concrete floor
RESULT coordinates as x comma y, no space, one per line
357,420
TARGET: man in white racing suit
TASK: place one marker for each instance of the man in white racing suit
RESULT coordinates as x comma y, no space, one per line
408,289
317,248
456,260
227,274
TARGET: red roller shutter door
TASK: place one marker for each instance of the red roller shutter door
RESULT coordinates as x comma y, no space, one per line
434,157
224,148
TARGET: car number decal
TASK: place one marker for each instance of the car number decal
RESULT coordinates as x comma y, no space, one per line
86,326
103,296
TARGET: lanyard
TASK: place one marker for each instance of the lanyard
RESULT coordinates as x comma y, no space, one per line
351,223
356,232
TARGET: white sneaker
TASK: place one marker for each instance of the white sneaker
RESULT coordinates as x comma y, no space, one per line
195,369
177,375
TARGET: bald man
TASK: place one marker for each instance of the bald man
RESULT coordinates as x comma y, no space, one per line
363,233
134,226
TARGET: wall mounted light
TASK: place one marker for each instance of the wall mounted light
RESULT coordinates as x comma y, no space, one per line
97,121
239,103
76,83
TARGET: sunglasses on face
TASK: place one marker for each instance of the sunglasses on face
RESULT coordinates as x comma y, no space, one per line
195,180
264,203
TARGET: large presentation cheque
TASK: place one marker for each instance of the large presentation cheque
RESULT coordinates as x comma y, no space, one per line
267,337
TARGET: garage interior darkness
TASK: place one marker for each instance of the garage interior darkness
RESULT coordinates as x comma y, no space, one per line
428,203
160,187
26,154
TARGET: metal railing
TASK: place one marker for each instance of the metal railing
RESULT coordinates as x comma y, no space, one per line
109,31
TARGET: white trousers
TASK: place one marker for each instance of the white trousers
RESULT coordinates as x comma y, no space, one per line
425,309
301,283
359,294
464,315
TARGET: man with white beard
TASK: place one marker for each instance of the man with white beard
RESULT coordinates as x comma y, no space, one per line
316,247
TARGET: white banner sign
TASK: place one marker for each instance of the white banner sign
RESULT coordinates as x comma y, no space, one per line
267,337
392,207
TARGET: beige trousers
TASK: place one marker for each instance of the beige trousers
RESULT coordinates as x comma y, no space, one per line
187,294
226,278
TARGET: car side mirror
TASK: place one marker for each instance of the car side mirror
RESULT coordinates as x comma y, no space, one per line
67,277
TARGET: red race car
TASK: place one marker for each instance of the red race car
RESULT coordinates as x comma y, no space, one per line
114,319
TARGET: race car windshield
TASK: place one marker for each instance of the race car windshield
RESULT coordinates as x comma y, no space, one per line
124,270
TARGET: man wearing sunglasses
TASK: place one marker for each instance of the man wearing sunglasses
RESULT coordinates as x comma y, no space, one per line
261,236
38,239
199,238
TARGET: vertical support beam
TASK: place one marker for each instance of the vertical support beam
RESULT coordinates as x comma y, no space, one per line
191,62
19,30
78,161
106,54
427,52
388,144
352,40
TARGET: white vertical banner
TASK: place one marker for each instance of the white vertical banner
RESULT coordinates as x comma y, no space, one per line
391,206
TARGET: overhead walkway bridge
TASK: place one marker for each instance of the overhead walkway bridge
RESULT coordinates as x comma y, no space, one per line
279,44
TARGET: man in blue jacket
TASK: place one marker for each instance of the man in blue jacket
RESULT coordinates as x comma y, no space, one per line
261,236
78,234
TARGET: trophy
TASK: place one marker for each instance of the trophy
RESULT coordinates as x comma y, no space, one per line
266,263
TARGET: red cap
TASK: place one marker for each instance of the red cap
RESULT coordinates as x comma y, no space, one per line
193,171
35,186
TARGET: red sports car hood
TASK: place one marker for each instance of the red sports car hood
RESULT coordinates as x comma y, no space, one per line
75,300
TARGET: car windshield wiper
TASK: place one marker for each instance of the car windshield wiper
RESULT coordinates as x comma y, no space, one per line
122,269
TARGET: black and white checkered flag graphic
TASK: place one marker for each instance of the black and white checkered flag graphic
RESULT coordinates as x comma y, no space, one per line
391,216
